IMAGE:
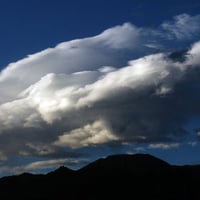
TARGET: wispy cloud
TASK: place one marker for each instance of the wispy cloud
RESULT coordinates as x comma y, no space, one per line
164,146
183,27
52,163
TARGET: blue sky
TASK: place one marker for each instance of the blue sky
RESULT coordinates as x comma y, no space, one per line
85,79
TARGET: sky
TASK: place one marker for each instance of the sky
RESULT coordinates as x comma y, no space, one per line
82,80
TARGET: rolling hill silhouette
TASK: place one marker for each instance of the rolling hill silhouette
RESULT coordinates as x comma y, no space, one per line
138,176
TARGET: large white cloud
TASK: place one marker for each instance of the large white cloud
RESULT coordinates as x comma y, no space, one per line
114,47
112,88
69,57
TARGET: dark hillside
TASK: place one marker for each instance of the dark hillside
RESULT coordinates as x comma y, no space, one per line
137,176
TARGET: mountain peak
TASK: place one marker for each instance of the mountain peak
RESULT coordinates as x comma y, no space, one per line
138,159
62,170
126,163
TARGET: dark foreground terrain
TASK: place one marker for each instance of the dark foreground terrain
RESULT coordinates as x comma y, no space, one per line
115,177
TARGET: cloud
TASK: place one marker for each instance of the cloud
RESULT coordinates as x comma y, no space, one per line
197,132
38,166
113,47
193,143
3,157
70,57
164,146
51,163
90,134
126,85
183,27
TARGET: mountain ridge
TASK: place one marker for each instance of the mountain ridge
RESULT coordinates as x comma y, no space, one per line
138,176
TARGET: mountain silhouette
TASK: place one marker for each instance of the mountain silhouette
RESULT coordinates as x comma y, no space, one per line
138,176
126,162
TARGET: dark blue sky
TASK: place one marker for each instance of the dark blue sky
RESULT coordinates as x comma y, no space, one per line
30,26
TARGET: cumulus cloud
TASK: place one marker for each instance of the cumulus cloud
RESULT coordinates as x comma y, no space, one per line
90,134
69,57
121,86
113,47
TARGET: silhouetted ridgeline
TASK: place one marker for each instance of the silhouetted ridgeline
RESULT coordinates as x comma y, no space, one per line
124,177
